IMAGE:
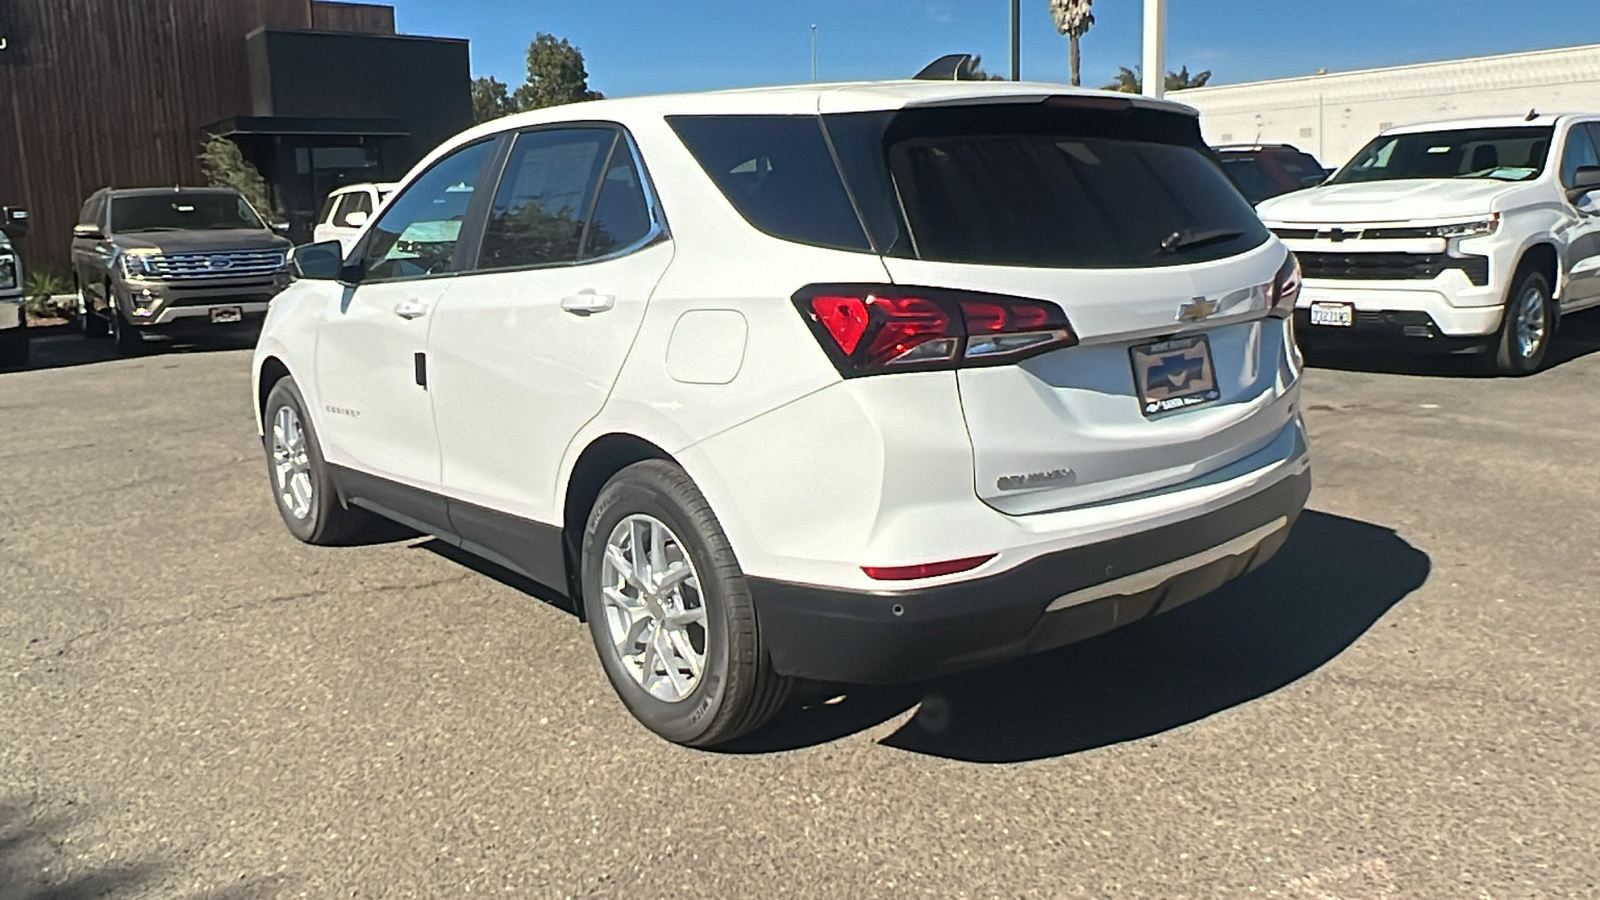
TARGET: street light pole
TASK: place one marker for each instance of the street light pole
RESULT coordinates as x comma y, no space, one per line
1016,40
813,53
1155,48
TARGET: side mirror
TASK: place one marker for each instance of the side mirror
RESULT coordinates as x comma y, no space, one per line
14,222
1586,181
322,262
355,219
279,227
88,232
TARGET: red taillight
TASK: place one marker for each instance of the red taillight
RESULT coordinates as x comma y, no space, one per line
1284,290
926,570
868,329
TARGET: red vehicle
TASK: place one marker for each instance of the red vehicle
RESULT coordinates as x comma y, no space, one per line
1263,171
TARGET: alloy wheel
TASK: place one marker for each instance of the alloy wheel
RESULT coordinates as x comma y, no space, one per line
291,463
655,611
1532,322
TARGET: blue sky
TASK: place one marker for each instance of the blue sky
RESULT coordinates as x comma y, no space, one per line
638,47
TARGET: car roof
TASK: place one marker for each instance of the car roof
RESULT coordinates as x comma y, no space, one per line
810,99
1544,120
156,192
380,186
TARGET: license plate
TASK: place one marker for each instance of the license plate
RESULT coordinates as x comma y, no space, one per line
1174,375
1339,315
223,315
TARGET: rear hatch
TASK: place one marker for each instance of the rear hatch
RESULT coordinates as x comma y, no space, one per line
1116,212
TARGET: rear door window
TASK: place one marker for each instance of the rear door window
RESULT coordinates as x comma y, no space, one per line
1581,153
545,198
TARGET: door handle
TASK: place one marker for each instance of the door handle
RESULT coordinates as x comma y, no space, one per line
411,309
586,302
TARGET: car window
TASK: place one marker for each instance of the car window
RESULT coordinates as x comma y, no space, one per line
544,198
353,202
90,215
326,216
417,233
622,211
1580,154
1515,153
778,173
1245,172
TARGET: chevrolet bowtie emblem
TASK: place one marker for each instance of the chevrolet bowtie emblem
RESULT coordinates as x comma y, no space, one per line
1198,310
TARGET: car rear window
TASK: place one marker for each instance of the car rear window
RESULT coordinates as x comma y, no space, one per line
1041,185
1248,176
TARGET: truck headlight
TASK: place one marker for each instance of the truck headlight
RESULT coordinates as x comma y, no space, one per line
1475,228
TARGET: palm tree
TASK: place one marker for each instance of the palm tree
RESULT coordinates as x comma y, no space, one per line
1131,81
1073,19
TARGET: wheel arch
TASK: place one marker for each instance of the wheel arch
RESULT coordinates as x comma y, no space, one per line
604,457
1546,259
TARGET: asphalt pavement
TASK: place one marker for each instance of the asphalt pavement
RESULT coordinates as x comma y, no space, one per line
1402,704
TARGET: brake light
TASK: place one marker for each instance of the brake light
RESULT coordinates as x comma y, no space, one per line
1284,290
926,570
871,329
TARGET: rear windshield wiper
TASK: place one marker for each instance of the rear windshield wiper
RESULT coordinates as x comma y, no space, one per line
1197,237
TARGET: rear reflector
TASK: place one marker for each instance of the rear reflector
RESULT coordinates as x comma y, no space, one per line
867,329
926,570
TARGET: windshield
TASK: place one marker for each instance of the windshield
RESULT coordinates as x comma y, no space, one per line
1516,153
181,211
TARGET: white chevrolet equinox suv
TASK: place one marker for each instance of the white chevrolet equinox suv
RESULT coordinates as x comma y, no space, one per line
1469,237
856,383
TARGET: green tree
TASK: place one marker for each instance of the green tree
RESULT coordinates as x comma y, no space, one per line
1073,19
556,75
1129,81
223,165
490,100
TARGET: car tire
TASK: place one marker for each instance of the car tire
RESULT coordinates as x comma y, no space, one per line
90,322
14,348
1528,326
302,486
654,505
129,340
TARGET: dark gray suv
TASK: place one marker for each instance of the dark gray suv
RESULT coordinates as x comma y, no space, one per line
173,260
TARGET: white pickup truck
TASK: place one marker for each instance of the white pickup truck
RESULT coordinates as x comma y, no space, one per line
1467,237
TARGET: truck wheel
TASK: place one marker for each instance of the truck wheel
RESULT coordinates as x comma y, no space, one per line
301,483
1527,327
130,342
670,611
89,321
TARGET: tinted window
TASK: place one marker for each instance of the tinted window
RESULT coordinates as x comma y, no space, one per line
621,213
544,198
778,173
1505,154
358,202
181,211
1065,201
1247,175
1580,154
328,205
417,233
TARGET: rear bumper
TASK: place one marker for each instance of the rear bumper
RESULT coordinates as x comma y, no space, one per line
1053,600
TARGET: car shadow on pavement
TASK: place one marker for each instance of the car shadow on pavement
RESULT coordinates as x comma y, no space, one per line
35,864
1577,337
1333,579
63,347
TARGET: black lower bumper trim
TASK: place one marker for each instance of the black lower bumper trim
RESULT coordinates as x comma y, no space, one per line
866,638
1407,329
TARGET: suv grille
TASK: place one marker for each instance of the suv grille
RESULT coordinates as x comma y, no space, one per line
1392,266
228,264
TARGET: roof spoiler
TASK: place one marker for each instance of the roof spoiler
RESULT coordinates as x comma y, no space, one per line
954,67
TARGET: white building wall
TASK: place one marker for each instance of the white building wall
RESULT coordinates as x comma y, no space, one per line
1333,116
